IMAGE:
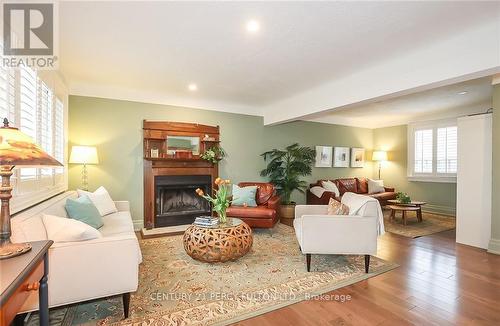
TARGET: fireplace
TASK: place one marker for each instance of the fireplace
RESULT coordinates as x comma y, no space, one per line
176,202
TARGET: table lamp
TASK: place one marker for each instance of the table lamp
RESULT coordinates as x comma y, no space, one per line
16,149
84,155
379,156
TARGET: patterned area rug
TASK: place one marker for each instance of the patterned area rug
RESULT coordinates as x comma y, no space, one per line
177,290
432,223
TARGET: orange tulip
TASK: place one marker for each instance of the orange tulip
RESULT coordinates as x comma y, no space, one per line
199,192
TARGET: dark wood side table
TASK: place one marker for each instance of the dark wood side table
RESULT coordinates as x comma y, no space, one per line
413,203
20,276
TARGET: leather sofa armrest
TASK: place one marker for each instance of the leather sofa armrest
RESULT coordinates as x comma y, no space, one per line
389,189
274,202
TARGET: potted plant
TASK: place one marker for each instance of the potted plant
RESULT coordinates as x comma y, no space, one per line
284,169
213,154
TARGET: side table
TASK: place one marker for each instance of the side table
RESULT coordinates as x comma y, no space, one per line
19,277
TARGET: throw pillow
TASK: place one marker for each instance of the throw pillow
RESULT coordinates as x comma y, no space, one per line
337,208
82,209
244,196
62,229
317,191
332,187
101,199
375,186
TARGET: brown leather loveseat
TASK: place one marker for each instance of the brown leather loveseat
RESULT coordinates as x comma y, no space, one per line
265,215
356,185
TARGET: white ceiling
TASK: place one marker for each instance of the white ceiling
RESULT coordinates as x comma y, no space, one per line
151,51
440,103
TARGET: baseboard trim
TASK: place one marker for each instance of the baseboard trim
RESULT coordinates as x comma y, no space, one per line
138,225
494,246
438,209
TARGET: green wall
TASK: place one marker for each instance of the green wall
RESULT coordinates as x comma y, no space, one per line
115,127
494,245
441,197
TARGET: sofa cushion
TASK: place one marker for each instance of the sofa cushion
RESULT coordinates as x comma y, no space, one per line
116,223
337,208
84,210
244,196
375,186
251,212
331,186
362,185
63,229
347,185
384,195
101,199
29,229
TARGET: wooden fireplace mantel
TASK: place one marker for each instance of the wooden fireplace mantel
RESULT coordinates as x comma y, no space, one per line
155,134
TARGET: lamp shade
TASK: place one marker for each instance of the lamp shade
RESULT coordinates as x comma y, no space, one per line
379,156
84,155
17,148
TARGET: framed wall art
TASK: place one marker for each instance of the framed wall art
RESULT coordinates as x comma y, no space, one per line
357,157
323,157
341,157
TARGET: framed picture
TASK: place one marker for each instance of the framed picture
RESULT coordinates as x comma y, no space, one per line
357,157
323,157
341,157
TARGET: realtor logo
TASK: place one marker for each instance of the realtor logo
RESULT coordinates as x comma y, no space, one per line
28,35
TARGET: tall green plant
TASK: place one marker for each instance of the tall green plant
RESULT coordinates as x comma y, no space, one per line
285,167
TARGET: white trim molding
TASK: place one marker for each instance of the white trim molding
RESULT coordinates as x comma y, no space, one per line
494,246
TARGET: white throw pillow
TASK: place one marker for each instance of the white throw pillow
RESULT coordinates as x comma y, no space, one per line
63,229
317,191
332,187
375,186
101,199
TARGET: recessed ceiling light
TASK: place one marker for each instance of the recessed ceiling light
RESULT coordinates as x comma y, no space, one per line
462,93
253,26
193,87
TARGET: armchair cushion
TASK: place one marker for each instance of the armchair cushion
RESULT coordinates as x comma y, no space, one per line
264,191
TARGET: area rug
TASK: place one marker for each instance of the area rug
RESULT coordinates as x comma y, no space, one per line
177,290
432,223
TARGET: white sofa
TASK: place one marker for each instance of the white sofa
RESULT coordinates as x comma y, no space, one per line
320,233
84,270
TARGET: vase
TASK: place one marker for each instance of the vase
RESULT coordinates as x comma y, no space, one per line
222,217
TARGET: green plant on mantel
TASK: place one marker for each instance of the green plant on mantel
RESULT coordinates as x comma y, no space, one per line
213,154
403,198
285,167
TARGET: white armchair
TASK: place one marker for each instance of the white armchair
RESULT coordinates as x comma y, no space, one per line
320,233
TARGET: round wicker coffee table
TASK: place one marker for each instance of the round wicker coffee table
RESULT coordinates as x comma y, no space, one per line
220,243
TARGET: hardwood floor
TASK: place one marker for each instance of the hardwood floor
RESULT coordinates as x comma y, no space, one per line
439,282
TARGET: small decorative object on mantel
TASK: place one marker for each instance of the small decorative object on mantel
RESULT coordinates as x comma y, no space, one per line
220,200
357,157
155,153
214,154
323,157
208,138
17,149
403,198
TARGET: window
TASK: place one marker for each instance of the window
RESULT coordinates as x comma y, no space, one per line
432,151
32,104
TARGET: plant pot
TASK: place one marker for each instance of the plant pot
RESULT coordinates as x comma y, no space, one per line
287,214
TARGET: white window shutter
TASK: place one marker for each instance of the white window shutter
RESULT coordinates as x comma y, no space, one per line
423,151
447,150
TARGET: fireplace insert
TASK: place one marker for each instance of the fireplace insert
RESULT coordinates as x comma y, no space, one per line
176,202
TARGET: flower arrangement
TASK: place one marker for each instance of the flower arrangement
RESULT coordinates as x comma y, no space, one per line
220,200
213,154
403,198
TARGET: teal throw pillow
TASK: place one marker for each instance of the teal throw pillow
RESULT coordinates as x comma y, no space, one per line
82,209
244,196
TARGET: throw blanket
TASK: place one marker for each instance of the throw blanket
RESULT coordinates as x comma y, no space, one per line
356,203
